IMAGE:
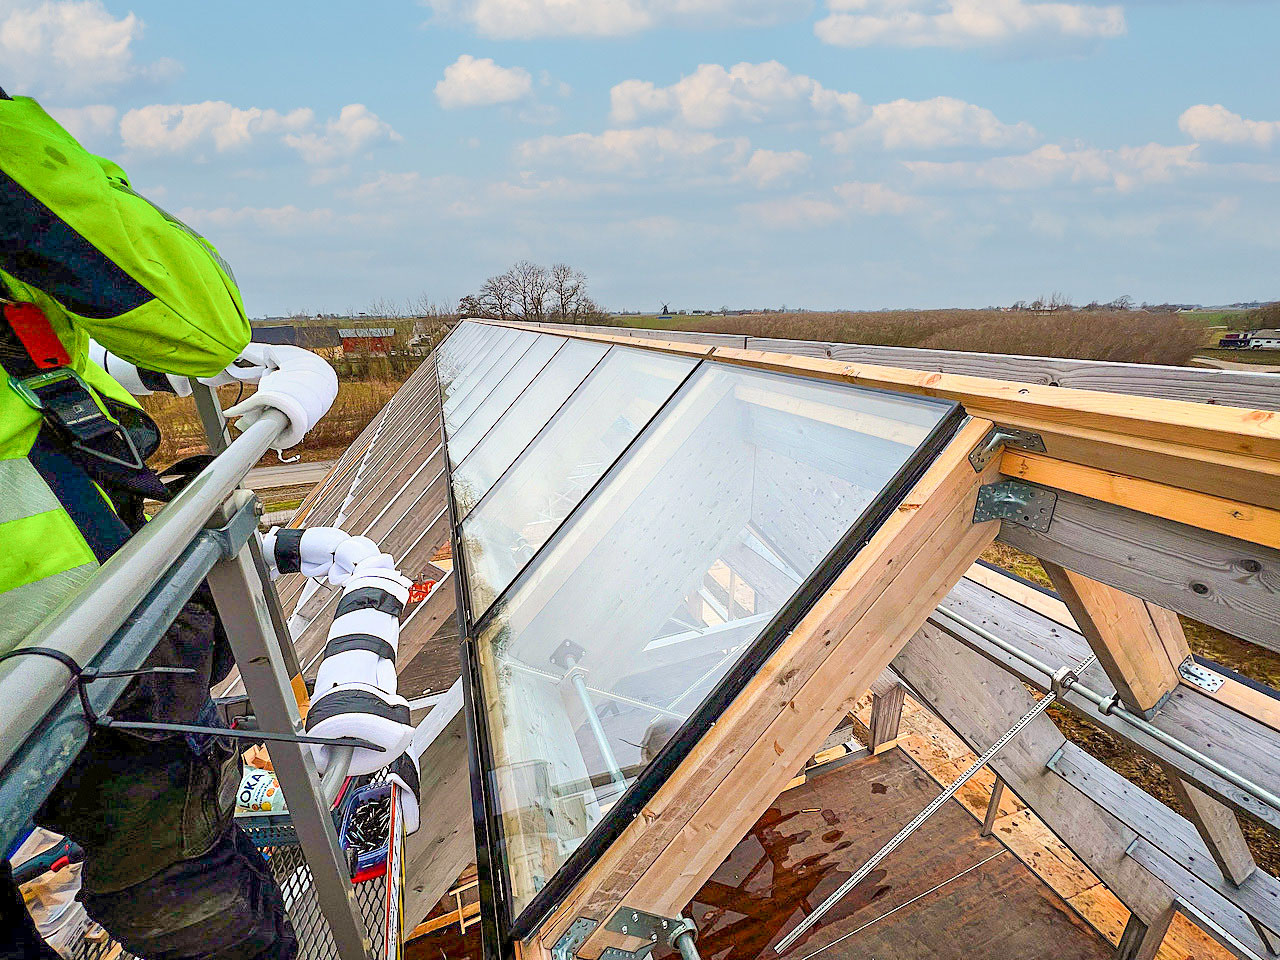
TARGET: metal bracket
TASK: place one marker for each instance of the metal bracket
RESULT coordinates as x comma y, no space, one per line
237,531
566,947
1004,437
1199,676
1016,502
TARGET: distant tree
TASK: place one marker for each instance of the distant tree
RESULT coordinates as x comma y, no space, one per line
528,291
1121,303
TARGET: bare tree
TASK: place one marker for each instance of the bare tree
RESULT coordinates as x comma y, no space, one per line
567,286
532,284
529,291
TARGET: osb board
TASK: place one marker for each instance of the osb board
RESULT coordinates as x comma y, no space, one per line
934,897
931,744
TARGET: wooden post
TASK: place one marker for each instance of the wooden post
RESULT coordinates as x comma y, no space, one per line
1140,645
993,808
1142,940
886,713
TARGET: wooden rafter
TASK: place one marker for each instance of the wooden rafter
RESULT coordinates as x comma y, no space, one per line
792,703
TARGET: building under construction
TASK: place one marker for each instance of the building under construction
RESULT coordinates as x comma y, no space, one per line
711,664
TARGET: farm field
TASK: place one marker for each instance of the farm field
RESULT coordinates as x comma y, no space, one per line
1126,336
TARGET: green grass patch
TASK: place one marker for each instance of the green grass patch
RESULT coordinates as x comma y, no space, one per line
1261,357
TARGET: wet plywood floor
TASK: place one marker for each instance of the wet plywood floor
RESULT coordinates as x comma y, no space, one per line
945,894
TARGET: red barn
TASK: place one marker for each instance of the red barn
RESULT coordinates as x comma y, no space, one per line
367,340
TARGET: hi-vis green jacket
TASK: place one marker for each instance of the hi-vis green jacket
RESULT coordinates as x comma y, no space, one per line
99,260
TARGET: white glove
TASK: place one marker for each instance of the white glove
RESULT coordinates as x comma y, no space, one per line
309,551
128,376
303,388
250,367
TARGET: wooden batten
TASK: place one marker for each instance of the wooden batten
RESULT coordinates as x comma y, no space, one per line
791,705
1225,451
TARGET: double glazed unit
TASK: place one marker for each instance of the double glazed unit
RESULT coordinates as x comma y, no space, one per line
635,532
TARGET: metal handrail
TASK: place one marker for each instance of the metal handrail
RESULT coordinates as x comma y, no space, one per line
84,623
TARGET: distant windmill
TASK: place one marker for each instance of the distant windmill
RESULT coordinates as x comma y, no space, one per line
666,312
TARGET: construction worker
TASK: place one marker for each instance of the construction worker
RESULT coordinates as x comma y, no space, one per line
166,872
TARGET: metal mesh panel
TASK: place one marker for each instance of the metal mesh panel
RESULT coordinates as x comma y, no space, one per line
280,848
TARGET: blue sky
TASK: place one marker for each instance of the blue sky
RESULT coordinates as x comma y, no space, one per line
833,153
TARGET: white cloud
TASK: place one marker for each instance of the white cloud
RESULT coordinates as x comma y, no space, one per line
931,124
712,96
69,46
1123,168
179,127
523,19
354,128
966,23
86,124
175,127
845,201
1217,124
643,151
469,82
768,167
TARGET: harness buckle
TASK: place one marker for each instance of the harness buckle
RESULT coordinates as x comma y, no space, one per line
65,401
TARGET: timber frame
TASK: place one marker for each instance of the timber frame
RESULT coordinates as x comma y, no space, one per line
1166,501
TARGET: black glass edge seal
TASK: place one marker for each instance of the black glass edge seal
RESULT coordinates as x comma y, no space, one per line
660,769
495,918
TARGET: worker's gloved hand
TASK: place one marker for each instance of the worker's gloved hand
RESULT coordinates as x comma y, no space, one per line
250,367
309,551
138,381
302,386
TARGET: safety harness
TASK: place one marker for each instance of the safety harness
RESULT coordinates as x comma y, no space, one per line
111,445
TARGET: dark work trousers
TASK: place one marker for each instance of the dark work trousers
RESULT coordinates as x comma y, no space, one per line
166,871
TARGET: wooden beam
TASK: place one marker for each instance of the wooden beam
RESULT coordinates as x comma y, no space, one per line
1244,521
886,714
791,704
1224,451
1142,940
1251,701
1138,645
444,844
1195,384
1218,580
1231,738
979,701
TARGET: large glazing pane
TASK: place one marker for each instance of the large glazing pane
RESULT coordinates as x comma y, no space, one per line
530,364
561,464
473,364
662,579
450,354
530,412
485,380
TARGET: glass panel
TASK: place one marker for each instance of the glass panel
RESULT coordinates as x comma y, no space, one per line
462,343
485,380
650,592
501,396
559,467
530,412
470,365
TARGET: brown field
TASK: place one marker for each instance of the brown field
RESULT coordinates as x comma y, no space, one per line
1127,336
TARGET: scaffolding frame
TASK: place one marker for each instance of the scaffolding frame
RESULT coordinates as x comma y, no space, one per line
208,531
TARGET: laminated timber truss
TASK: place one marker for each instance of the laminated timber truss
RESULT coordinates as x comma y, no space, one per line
1144,492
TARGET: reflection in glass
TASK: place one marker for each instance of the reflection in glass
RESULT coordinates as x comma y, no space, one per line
530,412
530,364
661,579
483,375
560,466
470,363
